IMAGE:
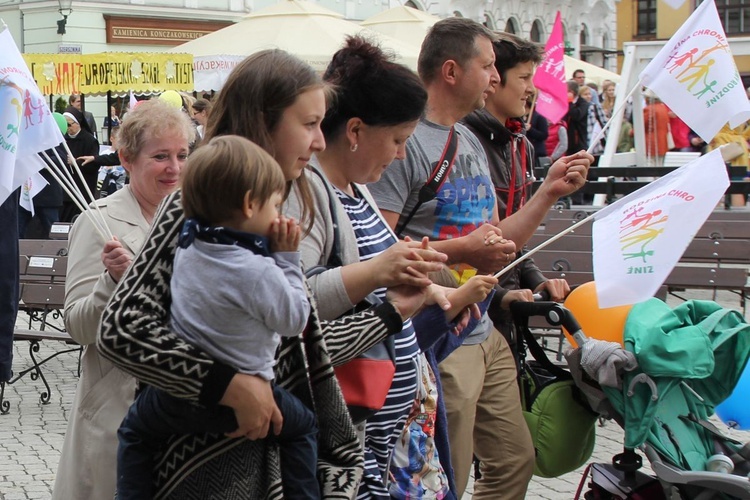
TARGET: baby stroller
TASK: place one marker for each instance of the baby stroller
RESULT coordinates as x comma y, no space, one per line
689,359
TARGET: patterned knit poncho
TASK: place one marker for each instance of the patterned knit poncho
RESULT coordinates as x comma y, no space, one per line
135,335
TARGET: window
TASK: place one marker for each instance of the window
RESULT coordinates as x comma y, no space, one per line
583,40
647,18
489,22
536,31
511,26
734,15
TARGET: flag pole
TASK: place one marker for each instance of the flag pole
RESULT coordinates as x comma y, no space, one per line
67,176
74,192
544,244
88,191
593,142
65,187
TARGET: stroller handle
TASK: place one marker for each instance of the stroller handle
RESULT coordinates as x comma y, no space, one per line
555,314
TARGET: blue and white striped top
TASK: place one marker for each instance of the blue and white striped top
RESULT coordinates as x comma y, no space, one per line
382,431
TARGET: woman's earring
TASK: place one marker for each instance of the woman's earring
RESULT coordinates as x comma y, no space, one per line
353,147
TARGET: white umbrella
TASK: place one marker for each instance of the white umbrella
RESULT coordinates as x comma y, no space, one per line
593,73
403,23
302,28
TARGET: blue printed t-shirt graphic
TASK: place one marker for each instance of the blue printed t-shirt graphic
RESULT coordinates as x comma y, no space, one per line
464,202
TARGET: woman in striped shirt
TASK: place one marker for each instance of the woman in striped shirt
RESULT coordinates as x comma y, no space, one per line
376,109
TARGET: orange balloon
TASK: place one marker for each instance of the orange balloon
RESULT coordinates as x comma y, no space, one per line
601,324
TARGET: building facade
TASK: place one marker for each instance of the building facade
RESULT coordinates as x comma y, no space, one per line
589,26
88,27
640,20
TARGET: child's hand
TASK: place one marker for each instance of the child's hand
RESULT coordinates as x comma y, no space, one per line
464,298
493,236
284,235
477,288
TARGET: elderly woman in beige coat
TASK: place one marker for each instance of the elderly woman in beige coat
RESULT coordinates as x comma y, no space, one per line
154,141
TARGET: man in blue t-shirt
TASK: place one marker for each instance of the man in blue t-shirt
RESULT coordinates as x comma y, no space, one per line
456,64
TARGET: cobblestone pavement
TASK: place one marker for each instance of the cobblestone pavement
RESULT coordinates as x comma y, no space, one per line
31,434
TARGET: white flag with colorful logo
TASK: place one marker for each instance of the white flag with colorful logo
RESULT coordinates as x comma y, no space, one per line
549,79
638,240
695,75
26,123
31,187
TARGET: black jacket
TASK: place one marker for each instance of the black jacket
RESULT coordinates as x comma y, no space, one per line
537,134
577,121
84,144
52,194
107,160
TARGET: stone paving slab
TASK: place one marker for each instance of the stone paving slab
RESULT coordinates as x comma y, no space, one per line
31,434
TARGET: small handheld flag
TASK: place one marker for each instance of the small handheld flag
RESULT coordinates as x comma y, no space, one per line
639,239
695,75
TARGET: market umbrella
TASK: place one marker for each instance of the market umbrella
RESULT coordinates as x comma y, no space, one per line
302,28
403,23
593,73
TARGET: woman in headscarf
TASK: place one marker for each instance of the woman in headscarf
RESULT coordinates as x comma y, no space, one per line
81,142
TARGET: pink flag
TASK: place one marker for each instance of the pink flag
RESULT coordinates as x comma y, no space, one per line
638,239
552,101
696,76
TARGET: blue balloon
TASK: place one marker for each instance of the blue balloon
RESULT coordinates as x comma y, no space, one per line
735,410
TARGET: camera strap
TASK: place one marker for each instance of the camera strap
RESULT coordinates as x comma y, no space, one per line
436,179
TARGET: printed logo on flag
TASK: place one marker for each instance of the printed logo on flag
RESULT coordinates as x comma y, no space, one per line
552,63
26,124
642,229
28,186
639,230
638,239
31,108
692,64
9,129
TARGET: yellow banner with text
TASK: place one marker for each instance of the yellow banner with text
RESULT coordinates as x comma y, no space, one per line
111,72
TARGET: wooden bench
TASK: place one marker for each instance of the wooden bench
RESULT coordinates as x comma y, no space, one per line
711,229
34,338
42,289
43,265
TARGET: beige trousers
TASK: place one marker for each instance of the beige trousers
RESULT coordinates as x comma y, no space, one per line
484,419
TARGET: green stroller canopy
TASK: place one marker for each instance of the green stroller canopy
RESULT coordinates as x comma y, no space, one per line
698,343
